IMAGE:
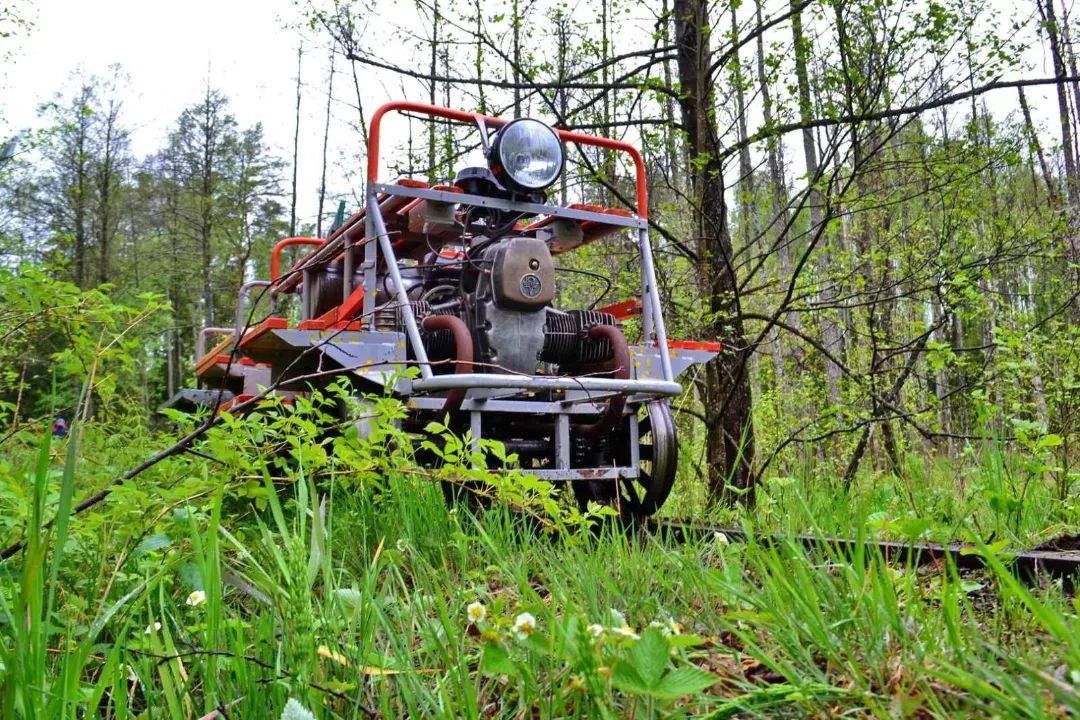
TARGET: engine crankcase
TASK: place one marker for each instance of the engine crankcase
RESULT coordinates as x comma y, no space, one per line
509,305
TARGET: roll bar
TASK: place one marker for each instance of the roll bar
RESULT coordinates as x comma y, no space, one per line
461,116
275,254
242,295
439,383
200,340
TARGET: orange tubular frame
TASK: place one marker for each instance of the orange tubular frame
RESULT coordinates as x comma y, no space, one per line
466,117
275,254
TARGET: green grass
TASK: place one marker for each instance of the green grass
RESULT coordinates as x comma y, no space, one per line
346,593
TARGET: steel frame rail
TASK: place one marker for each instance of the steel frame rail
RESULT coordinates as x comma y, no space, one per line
379,239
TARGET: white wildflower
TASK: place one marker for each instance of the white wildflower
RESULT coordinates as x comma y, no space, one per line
524,625
295,711
720,537
667,628
626,631
476,611
402,546
152,628
197,597
596,629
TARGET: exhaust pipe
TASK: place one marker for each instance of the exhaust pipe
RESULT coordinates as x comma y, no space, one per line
463,352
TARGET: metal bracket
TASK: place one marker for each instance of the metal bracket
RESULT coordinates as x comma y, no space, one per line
484,140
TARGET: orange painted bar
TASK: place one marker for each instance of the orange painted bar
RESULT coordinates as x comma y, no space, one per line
352,305
239,399
214,356
467,117
275,254
624,310
695,345
270,323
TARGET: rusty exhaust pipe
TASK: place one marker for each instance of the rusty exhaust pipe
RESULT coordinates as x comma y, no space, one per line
463,352
620,354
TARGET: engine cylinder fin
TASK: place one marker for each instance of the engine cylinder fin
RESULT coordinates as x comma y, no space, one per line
391,317
567,341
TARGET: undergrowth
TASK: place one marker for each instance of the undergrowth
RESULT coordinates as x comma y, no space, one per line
294,569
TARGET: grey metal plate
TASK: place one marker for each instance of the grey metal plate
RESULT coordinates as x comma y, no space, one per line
645,361
371,355
193,398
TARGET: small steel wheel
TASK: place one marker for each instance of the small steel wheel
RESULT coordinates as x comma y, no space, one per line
658,461
658,455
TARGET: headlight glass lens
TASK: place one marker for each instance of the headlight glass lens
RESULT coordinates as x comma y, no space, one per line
530,154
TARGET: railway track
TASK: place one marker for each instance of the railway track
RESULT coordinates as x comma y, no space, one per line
1028,565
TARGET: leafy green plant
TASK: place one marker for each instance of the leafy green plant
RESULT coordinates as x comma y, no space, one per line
33,686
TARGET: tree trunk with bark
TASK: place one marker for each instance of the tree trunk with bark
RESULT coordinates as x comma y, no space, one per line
729,426
780,215
107,182
296,143
325,145
207,178
830,329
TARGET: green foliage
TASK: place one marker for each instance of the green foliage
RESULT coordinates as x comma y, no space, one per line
335,592
34,685
57,337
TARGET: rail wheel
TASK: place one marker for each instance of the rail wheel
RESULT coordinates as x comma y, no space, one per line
658,454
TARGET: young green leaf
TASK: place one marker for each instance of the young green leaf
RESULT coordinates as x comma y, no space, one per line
683,681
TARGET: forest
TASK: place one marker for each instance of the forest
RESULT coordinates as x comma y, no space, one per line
872,206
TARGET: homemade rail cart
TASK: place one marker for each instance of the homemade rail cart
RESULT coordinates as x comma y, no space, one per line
458,280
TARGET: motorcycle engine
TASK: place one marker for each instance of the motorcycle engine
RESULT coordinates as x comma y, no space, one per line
507,310
503,289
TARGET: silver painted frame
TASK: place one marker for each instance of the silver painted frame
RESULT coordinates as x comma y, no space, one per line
377,240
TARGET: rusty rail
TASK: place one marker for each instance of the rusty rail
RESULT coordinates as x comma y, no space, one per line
1028,565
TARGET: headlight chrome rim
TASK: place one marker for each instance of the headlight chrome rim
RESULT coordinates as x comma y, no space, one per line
508,171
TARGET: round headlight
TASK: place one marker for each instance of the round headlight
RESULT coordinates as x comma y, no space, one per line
526,155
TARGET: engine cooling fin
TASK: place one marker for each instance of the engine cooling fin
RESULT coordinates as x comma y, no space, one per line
567,341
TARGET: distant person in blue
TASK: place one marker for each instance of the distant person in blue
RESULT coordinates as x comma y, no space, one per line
59,427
